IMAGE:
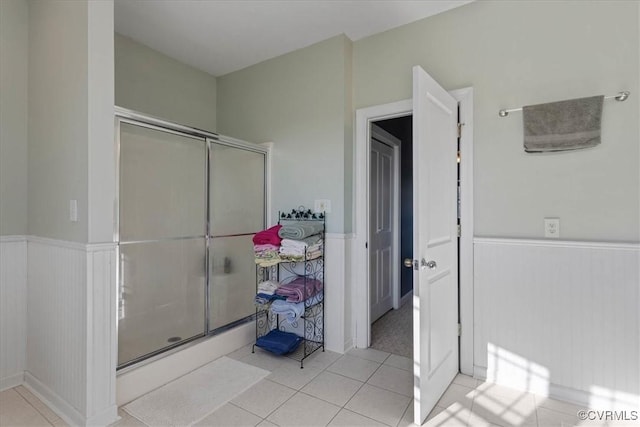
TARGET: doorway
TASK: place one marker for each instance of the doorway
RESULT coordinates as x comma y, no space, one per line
391,316
383,112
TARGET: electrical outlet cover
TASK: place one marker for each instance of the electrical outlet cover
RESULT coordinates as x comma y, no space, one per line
552,227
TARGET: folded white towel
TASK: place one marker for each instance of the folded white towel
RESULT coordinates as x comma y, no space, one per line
267,287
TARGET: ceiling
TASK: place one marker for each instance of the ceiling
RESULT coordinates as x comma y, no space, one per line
221,36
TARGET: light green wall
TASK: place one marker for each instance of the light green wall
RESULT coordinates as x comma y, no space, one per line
297,101
348,136
152,83
522,53
14,47
58,118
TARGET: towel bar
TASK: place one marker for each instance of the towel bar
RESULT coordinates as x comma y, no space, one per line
621,96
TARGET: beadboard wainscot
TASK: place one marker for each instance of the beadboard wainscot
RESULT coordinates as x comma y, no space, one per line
559,318
13,310
71,328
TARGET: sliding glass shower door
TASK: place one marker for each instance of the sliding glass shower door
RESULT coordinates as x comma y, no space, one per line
189,205
236,213
162,226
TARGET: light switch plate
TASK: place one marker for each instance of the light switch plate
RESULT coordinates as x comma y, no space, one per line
552,227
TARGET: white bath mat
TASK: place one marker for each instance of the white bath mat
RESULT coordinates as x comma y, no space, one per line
192,397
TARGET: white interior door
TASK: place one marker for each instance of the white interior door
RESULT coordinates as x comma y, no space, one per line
381,229
435,276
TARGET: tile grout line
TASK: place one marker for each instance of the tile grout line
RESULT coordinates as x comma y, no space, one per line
331,403
404,412
36,409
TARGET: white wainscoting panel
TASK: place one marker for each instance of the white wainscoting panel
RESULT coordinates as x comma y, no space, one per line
349,324
71,329
13,310
559,318
334,321
56,322
101,345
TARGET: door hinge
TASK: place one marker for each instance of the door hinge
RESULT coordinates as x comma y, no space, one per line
459,230
460,129
459,329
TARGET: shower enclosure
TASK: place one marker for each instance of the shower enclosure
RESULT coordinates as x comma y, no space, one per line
189,202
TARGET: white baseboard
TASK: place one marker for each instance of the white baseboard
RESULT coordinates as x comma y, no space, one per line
105,418
58,405
348,345
577,397
11,381
13,310
65,411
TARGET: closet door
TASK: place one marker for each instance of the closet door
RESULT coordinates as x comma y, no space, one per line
162,227
236,213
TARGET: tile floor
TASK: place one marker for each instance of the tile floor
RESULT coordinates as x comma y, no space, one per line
361,388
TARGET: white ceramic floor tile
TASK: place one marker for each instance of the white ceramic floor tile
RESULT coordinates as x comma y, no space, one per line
346,418
263,398
321,359
291,375
303,410
465,380
382,405
400,362
60,423
434,412
499,407
241,352
263,359
498,390
500,415
455,415
477,421
44,410
16,411
333,388
407,417
393,379
369,354
457,394
230,416
557,405
10,395
127,420
549,418
354,367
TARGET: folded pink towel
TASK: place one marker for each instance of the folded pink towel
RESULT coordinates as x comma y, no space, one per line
300,289
268,236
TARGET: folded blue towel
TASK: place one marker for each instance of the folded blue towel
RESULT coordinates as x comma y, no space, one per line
279,342
290,310
262,298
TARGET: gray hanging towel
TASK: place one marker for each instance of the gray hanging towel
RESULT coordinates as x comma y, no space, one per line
564,125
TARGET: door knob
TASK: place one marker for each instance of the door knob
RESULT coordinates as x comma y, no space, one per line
408,262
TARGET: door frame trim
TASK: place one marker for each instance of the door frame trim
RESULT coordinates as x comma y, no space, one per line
361,327
396,144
